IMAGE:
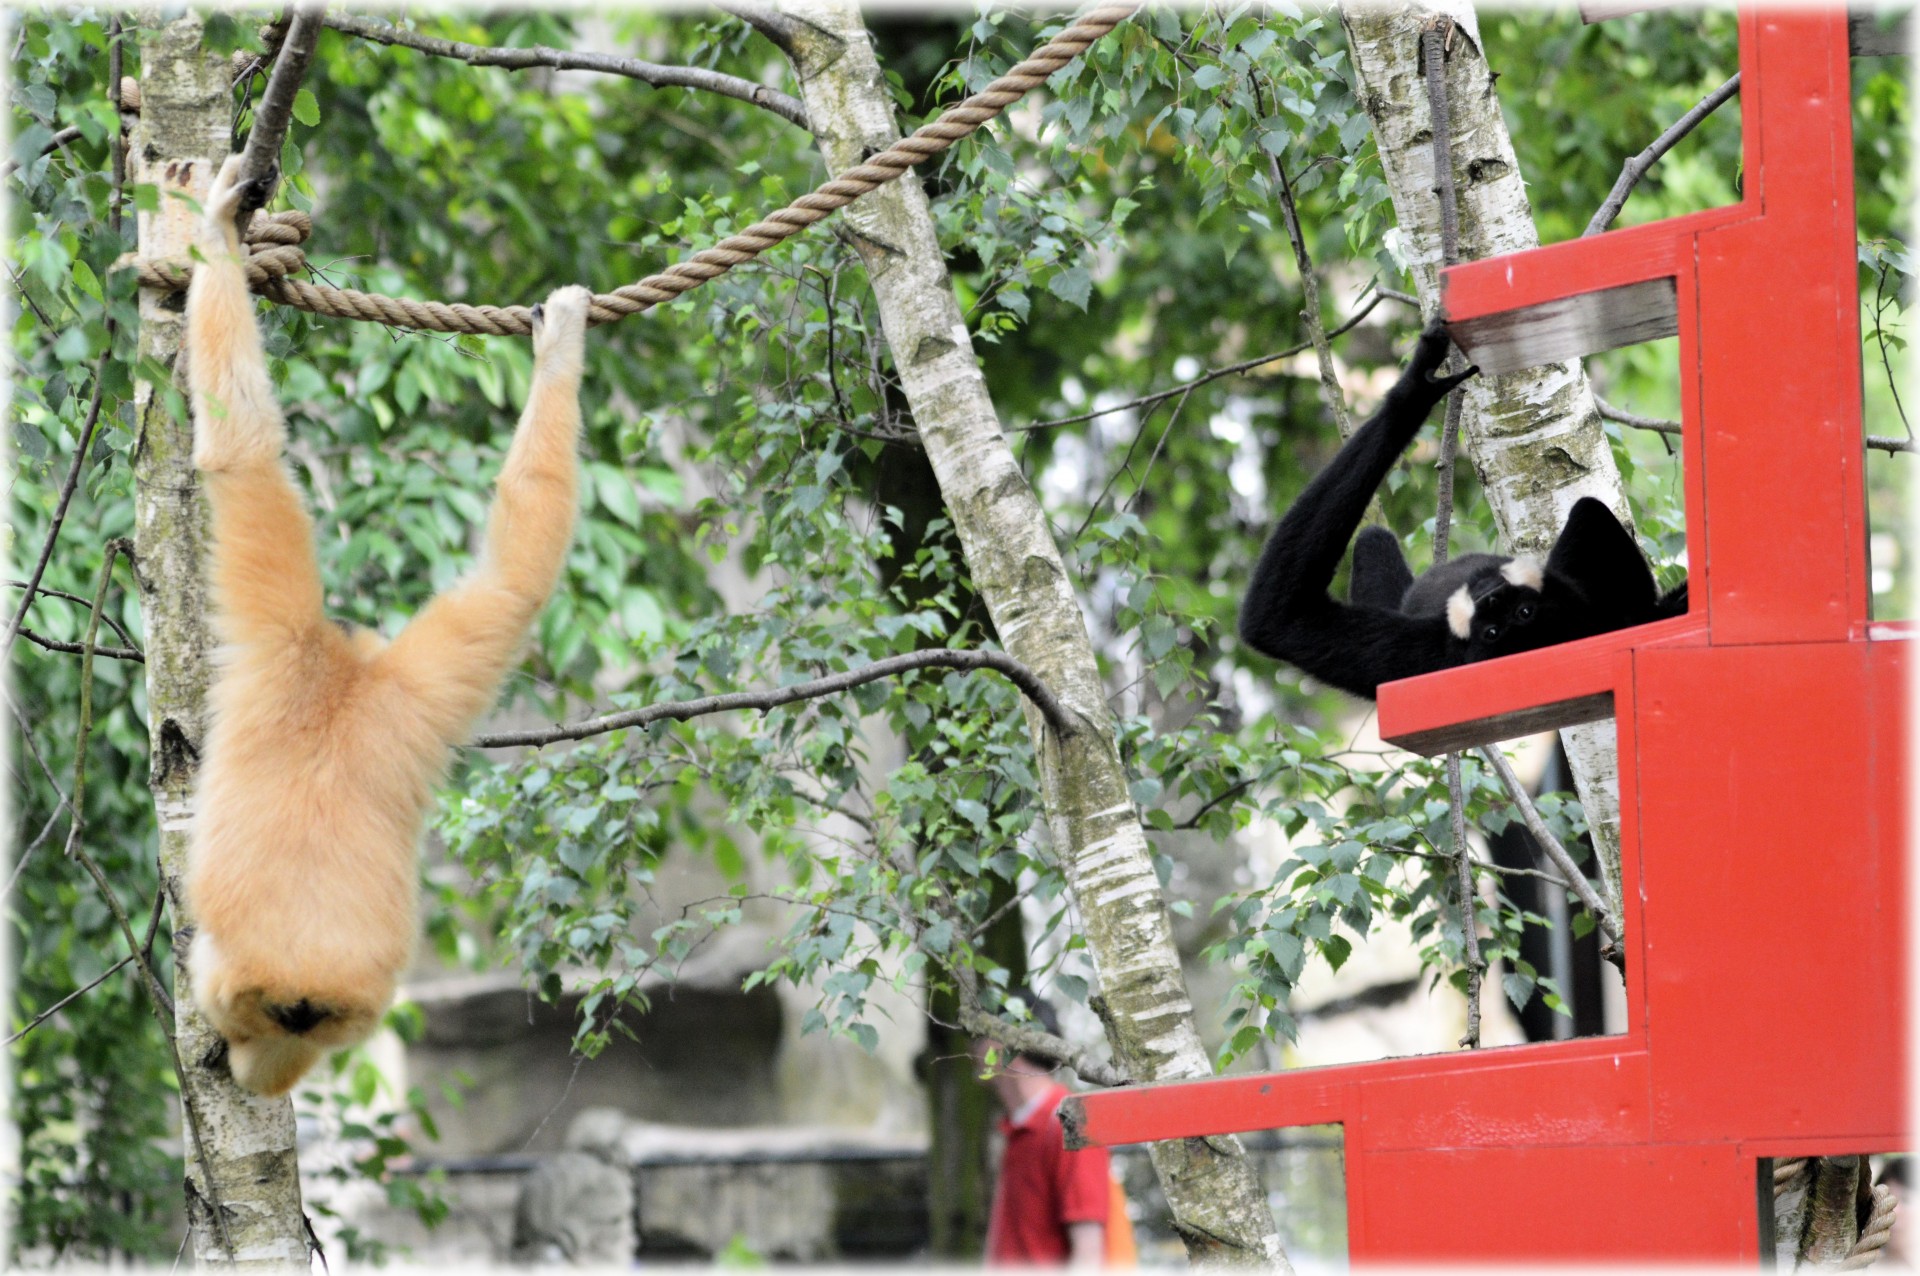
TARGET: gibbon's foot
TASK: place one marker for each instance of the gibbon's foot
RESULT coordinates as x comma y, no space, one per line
230,197
255,194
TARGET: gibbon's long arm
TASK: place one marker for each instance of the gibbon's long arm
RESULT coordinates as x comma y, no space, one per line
265,581
1289,613
449,660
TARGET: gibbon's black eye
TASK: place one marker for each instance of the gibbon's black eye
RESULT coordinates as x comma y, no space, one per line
1491,633
1524,611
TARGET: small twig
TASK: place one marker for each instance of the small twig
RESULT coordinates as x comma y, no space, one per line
67,489
652,74
54,143
1232,790
1310,292
1469,897
71,997
1880,336
1498,870
1126,465
104,975
1063,721
1881,442
1636,168
1229,370
1550,846
116,64
45,592
76,649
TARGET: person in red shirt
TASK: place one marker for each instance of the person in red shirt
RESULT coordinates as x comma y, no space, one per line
1050,1206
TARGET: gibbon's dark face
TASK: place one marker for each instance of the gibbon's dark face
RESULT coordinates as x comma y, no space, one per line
1511,609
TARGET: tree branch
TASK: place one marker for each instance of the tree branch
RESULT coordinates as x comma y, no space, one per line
80,649
67,490
111,623
260,161
1882,442
72,997
1310,295
1636,167
1059,718
1576,880
1231,369
782,29
652,74
1025,1038
54,143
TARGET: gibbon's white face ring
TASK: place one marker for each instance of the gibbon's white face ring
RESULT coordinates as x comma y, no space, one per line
1522,571
1460,612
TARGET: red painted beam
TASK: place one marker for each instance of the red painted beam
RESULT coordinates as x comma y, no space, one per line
1520,695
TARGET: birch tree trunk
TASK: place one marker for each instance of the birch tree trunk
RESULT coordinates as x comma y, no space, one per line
243,1141
1018,572
1534,436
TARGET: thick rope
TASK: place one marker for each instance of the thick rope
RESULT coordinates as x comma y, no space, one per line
1873,1237
272,266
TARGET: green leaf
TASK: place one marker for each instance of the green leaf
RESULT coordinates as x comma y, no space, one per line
1072,285
306,107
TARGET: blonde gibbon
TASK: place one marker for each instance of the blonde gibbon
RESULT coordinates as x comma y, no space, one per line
324,745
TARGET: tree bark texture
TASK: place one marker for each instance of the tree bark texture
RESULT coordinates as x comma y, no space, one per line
1535,436
1019,573
245,1142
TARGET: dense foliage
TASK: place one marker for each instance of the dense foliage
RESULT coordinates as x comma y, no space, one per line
757,512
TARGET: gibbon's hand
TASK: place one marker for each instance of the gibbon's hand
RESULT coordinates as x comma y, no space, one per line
1417,385
559,330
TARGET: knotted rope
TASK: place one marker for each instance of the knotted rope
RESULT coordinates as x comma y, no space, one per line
274,263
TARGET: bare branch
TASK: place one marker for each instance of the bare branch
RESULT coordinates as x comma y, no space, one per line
79,649
1636,168
1058,717
1881,442
71,997
1026,1038
1310,295
67,490
652,74
1231,369
1550,845
111,623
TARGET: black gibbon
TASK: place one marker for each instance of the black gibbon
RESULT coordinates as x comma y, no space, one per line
324,746
1474,607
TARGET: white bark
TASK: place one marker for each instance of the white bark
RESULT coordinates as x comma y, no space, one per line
245,1142
1019,574
1534,436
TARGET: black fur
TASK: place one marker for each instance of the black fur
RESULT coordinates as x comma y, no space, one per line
300,1018
1394,626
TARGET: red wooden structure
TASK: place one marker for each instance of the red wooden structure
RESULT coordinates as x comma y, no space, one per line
1763,764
